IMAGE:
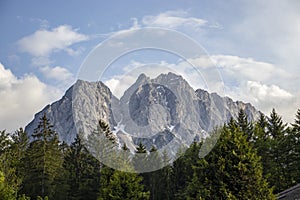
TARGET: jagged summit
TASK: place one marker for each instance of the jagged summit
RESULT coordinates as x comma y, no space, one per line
153,111
170,75
142,77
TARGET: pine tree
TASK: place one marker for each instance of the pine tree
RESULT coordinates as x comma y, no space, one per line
43,163
232,170
262,121
123,186
141,148
7,166
6,191
294,154
13,148
278,151
152,180
5,142
101,143
140,158
275,127
115,184
262,143
83,172
164,176
244,125
182,171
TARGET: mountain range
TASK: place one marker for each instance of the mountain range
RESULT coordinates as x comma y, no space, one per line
157,112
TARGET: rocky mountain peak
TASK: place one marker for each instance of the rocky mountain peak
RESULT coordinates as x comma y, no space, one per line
153,111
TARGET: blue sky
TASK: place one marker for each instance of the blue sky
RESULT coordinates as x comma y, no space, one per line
254,44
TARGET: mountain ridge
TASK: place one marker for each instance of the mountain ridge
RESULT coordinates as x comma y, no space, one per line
154,111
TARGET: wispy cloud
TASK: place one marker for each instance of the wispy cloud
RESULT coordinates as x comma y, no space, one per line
173,20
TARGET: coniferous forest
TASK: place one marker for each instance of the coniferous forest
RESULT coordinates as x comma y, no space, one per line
251,160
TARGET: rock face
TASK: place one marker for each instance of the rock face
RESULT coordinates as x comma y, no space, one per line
87,100
155,112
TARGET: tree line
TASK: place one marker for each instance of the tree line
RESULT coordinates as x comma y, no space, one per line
250,160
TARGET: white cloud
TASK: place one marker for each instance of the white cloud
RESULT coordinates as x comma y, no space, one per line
21,98
263,92
43,42
265,97
248,68
57,73
173,20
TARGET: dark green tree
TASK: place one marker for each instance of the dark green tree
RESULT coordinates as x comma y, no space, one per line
277,152
83,172
244,124
294,150
123,186
13,150
42,163
6,191
232,170
182,171
140,158
7,159
262,143
151,180
164,176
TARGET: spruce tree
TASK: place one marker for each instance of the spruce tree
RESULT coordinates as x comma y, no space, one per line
115,184
140,158
123,186
244,124
13,148
164,175
102,144
277,153
6,191
294,154
151,180
262,143
43,162
182,171
232,170
83,172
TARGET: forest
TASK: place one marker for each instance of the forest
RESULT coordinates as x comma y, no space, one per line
251,160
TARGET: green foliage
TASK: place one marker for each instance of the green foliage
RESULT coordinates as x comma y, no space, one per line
183,170
120,185
157,182
294,154
244,125
83,172
248,161
42,164
274,150
140,159
13,151
6,192
232,170
101,143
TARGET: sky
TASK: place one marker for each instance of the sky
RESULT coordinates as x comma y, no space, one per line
254,45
